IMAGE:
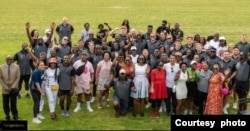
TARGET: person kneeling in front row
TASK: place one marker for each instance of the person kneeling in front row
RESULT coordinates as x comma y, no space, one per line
122,87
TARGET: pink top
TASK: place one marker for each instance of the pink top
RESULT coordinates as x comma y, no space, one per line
85,77
199,66
105,71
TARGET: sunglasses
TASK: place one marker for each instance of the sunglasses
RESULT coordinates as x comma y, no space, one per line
172,69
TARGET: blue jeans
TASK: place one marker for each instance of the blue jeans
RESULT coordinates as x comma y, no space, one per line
171,99
123,103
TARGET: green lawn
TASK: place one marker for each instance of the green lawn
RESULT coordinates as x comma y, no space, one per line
228,17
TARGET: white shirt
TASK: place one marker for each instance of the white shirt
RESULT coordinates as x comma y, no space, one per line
215,44
85,34
134,58
171,72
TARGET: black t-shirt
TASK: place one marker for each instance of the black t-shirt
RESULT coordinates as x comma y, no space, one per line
101,33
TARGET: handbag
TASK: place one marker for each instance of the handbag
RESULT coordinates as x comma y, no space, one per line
224,89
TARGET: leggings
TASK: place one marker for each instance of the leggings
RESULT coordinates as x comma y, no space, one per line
156,103
36,96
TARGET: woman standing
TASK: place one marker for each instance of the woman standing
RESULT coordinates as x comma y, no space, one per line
118,62
158,89
141,73
104,75
51,86
181,78
129,67
214,103
36,91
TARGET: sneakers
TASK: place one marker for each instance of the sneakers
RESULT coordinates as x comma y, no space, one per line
67,113
235,106
36,121
148,105
160,110
77,109
39,116
63,113
185,112
89,109
92,99
190,112
225,109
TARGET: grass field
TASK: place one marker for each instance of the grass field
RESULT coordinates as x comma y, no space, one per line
228,17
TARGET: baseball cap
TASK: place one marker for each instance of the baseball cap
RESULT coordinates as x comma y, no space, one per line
193,62
133,48
122,71
222,38
47,31
85,52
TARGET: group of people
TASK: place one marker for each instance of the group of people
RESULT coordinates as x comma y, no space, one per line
159,69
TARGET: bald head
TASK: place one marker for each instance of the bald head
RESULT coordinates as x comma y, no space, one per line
65,20
9,59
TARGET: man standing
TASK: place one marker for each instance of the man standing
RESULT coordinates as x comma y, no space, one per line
65,29
66,84
171,68
23,59
84,77
9,78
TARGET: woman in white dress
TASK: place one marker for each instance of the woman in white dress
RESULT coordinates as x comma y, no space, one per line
141,82
181,88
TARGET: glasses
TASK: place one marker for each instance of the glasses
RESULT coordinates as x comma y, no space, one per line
172,69
65,39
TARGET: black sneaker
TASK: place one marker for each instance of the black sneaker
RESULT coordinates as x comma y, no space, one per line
28,95
7,118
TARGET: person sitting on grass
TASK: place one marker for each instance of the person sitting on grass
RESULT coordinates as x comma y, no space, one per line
122,88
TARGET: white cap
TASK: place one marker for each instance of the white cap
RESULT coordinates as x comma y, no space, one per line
193,62
122,71
47,31
133,48
222,38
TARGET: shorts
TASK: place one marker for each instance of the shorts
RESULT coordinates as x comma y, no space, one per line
82,89
101,83
123,103
192,89
63,92
242,87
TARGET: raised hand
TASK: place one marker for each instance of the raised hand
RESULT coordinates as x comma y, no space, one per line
53,25
27,25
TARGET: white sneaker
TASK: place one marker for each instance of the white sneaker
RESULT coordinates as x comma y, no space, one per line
92,100
36,121
89,109
77,109
164,109
160,110
148,105
225,111
190,112
40,117
235,106
185,112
